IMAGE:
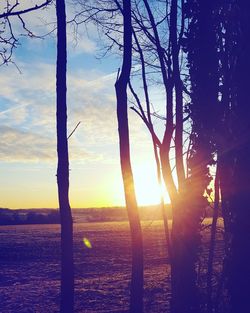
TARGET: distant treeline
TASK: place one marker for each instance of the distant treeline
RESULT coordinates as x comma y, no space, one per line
22,217
119,214
106,214
114,214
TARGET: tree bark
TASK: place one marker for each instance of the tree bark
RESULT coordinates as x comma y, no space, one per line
67,267
136,289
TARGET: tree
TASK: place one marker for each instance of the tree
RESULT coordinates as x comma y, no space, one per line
203,66
67,266
136,290
235,187
8,39
158,29
219,67
187,210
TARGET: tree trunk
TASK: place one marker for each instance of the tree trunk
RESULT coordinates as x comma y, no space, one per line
185,245
162,204
213,241
146,118
178,95
239,225
185,225
236,165
136,290
67,267
203,70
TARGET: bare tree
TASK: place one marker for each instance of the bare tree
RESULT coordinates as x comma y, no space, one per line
186,222
163,57
146,117
136,290
67,266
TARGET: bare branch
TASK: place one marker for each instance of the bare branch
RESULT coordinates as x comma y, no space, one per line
17,13
74,130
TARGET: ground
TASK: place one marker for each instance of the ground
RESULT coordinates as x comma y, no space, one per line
30,268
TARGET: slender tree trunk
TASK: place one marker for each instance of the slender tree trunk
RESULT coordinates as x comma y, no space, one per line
213,241
168,85
162,205
67,273
155,141
136,290
179,96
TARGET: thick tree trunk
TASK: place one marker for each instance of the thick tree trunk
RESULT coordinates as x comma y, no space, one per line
203,70
67,273
239,265
185,245
186,224
236,172
136,290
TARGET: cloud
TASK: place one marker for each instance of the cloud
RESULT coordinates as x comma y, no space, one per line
26,146
80,44
17,145
28,113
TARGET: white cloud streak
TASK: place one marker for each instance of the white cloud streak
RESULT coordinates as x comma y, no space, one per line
28,122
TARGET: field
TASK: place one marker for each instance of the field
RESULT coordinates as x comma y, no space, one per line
30,268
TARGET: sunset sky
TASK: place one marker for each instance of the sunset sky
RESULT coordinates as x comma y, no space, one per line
27,126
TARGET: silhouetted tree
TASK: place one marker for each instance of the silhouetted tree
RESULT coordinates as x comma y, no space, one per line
186,197
8,39
136,290
146,117
218,48
211,46
187,209
235,186
204,80
229,118
67,266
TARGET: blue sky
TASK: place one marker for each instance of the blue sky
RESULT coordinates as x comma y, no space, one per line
27,125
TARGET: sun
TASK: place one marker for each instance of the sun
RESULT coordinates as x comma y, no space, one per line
148,191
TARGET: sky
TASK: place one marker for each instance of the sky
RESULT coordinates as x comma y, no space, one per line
28,159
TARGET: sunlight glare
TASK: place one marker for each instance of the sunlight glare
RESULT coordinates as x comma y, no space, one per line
147,188
87,243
